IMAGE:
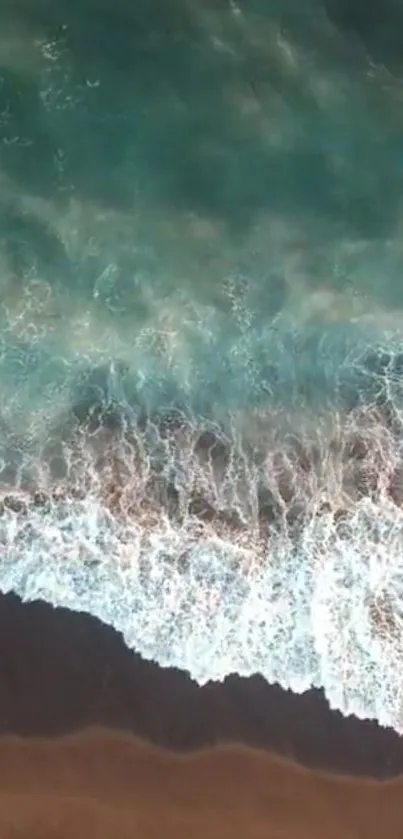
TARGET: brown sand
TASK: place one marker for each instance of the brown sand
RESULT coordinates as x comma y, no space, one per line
103,785
137,766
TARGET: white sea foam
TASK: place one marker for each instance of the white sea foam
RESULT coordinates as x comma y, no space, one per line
314,600
324,610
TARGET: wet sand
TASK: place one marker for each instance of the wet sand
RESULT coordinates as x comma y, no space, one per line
63,671
98,742
104,785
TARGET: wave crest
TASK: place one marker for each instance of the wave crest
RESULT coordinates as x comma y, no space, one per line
245,550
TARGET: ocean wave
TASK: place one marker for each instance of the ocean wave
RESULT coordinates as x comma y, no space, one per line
178,456
270,544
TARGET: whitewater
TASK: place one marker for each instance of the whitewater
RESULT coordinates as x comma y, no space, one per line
265,536
201,337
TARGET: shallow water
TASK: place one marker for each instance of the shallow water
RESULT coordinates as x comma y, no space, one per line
201,337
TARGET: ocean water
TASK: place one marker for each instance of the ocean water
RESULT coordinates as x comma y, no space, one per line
201,334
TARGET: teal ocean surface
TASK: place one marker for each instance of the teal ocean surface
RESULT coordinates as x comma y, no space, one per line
201,335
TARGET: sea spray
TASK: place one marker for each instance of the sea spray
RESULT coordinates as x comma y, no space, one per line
271,543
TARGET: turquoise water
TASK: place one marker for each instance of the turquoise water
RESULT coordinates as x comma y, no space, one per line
201,336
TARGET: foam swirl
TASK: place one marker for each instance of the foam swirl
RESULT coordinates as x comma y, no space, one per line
257,552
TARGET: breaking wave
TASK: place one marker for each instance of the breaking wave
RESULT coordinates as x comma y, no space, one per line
187,450
265,535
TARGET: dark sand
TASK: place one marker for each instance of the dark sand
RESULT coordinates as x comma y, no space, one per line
98,743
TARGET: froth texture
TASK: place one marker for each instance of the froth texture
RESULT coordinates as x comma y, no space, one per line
253,546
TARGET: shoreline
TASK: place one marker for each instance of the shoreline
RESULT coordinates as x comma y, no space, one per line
63,671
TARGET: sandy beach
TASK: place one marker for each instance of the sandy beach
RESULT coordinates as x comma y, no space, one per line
97,742
99,784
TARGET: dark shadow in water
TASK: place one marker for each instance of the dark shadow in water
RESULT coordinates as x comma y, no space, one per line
378,26
31,247
27,147
98,398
